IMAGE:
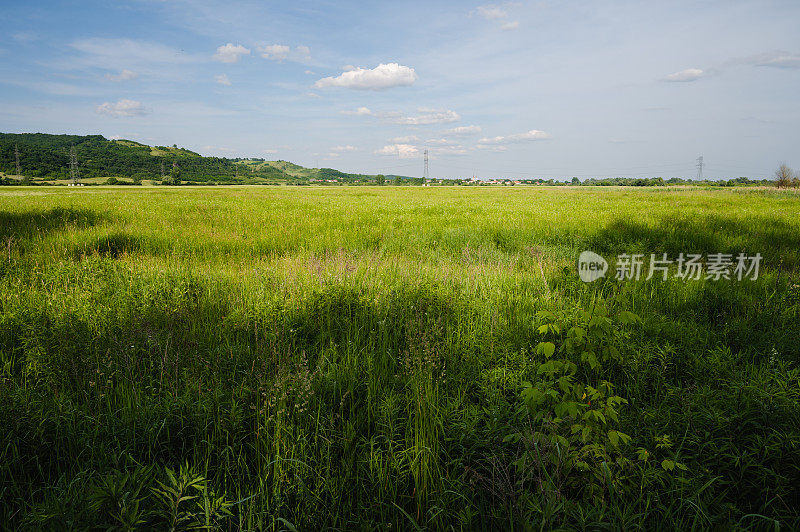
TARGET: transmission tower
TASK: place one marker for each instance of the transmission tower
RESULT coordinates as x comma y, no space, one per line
74,172
700,165
16,156
425,174
162,170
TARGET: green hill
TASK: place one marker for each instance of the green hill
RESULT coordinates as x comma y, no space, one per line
45,157
291,170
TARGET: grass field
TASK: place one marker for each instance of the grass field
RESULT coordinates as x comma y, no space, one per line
357,358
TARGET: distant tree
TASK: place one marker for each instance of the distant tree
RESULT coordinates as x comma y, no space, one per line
380,179
111,181
783,176
175,174
576,181
398,180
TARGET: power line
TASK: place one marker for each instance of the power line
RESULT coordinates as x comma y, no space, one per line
700,168
16,156
425,174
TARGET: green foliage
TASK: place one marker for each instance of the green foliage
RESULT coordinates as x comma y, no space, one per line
185,503
574,443
140,498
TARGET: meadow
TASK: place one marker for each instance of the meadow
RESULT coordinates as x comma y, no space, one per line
308,358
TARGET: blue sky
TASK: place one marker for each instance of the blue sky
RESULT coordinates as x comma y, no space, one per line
519,89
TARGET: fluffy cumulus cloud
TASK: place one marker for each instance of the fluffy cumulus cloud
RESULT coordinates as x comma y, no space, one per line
282,52
383,76
341,149
124,75
533,134
462,131
510,25
690,74
122,108
222,79
230,53
404,151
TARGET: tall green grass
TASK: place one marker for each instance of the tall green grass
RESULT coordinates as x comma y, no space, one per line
353,357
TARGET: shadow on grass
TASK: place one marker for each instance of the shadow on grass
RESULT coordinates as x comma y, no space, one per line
116,244
776,240
25,225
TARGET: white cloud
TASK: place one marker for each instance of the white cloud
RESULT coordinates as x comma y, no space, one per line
497,13
690,74
277,52
491,147
282,52
269,151
308,72
115,137
404,140
122,108
124,75
533,134
404,151
427,116
229,53
491,12
361,111
340,149
449,150
383,76
222,79
463,131
441,142
779,60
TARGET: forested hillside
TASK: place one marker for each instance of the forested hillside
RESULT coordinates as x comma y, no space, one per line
47,156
